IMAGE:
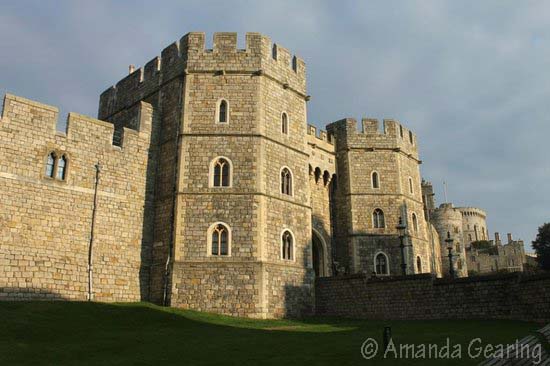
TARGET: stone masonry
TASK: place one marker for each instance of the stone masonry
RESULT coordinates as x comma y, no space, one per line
142,209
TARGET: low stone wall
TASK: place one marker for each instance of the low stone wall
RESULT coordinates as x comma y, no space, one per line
503,296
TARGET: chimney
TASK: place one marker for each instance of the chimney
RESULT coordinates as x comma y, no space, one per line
497,238
509,238
131,69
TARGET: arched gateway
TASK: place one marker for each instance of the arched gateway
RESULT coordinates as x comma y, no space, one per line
318,255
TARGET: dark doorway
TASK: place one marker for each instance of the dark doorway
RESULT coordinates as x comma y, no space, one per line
318,255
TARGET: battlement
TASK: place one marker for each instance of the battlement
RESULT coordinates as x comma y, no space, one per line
189,55
22,115
393,135
472,211
322,135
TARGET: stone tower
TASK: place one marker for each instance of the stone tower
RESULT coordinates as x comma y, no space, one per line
217,241
474,224
379,182
447,220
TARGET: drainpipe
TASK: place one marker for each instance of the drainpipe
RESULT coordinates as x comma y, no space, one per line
91,245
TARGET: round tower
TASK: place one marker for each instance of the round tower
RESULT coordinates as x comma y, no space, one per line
448,221
474,225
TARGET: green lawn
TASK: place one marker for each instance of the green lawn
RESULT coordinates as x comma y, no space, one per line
71,333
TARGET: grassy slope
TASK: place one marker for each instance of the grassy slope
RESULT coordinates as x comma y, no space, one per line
70,333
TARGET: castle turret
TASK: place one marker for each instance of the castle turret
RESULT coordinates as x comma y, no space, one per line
428,198
379,183
233,213
474,224
448,221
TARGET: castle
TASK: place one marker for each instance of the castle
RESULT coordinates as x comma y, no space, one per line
202,186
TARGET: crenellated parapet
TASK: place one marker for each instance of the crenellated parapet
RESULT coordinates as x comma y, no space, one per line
320,138
393,136
472,211
190,56
26,117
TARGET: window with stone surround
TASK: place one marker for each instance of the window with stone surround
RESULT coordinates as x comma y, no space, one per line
222,111
284,123
61,167
415,222
375,180
56,166
381,264
419,264
286,181
287,245
411,190
378,221
221,170
219,239
50,164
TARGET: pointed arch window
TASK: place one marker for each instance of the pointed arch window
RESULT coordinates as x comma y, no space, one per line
50,165
378,220
375,180
287,246
415,222
221,173
284,123
223,111
286,181
381,264
219,240
419,264
61,167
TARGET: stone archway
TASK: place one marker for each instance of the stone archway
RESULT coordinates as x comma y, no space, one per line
318,255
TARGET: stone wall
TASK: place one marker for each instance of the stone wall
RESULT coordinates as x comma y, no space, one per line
422,297
46,223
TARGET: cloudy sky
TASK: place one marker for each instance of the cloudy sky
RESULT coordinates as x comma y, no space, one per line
471,78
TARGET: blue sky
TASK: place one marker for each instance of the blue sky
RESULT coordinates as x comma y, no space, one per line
470,77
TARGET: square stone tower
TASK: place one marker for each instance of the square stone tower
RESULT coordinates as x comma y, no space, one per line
229,213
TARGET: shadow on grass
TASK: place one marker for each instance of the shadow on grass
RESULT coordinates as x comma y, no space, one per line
81,333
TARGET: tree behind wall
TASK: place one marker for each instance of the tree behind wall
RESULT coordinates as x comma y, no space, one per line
542,246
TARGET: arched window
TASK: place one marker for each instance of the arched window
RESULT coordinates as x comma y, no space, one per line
223,111
284,123
287,246
50,164
286,181
415,222
274,51
419,264
381,264
375,180
469,237
221,173
411,185
219,239
61,167
378,219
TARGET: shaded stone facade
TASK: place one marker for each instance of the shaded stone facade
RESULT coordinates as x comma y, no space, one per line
423,297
